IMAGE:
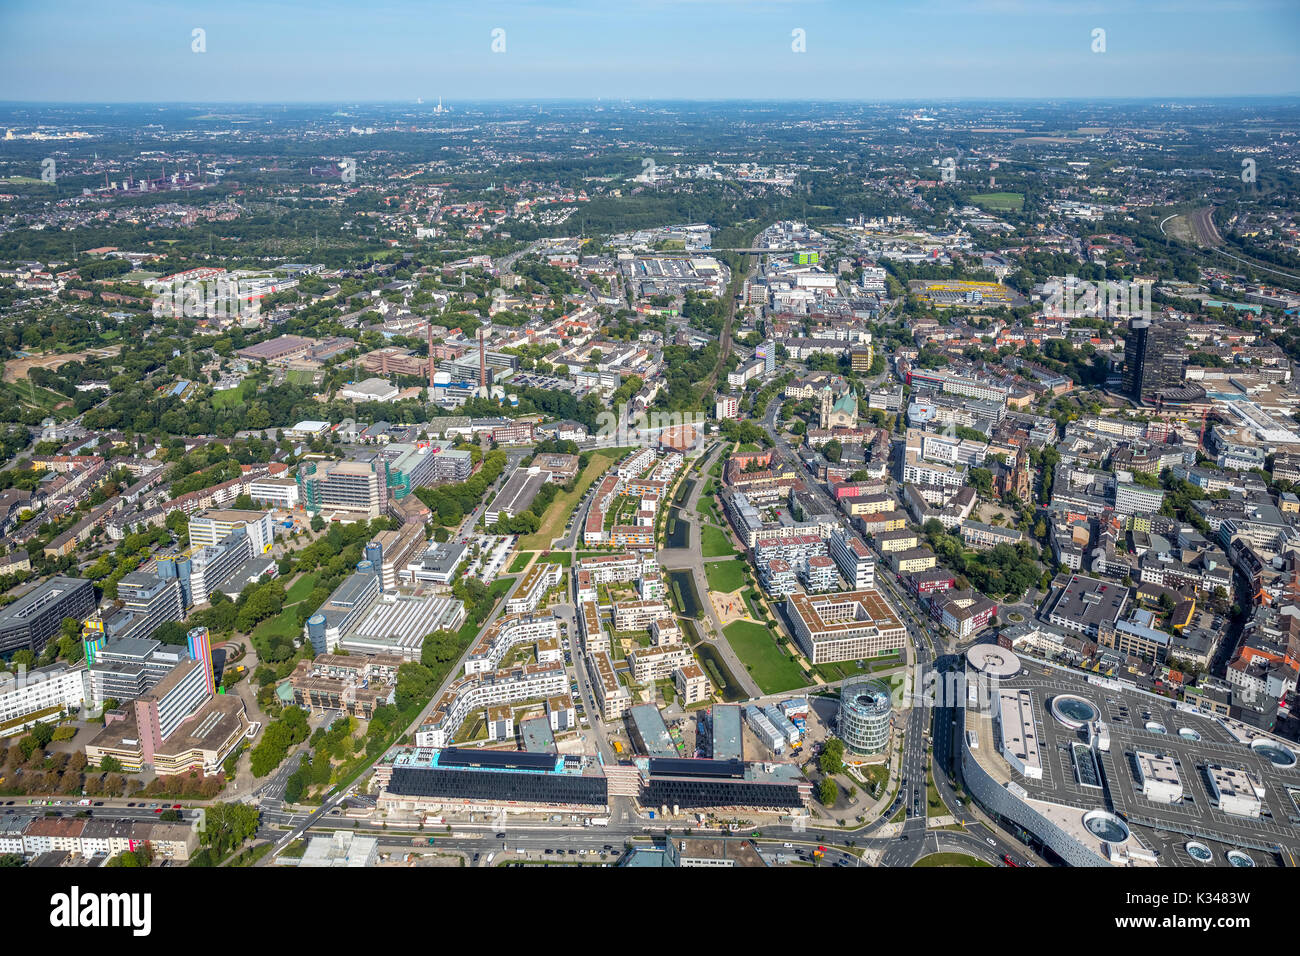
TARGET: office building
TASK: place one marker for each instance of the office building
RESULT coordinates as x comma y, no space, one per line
341,850
274,492
151,601
42,694
202,571
855,560
212,526
485,779
865,715
344,490
29,622
1153,357
123,669
845,626
686,785
1086,605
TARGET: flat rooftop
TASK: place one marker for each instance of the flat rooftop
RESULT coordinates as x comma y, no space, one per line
828,616
1019,736
1190,740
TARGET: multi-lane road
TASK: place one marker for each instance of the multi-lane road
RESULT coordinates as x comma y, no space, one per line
927,650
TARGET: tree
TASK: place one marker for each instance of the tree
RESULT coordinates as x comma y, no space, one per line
833,450
831,760
981,479
70,627
228,826
827,791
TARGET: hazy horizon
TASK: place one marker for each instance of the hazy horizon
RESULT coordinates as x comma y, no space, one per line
393,51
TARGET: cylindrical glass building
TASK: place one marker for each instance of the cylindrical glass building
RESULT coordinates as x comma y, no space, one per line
864,715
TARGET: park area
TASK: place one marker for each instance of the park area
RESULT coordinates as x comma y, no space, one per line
714,543
839,670
558,513
766,662
724,576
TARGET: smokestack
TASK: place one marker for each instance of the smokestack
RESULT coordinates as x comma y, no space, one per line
431,355
482,364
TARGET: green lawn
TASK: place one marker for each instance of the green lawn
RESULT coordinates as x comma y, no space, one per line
770,667
27,393
950,859
562,506
878,774
724,575
520,562
839,670
562,558
1001,201
284,624
230,397
300,589
715,543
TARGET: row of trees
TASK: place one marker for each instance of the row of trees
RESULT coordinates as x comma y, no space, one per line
280,735
450,503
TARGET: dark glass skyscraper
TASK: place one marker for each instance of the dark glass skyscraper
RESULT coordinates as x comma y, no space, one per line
1153,357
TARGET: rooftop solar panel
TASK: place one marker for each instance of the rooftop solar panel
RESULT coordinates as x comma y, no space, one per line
687,767
499,759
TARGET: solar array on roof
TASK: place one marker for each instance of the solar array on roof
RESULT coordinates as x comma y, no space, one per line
688,767
496,759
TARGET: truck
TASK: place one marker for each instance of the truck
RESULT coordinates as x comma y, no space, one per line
597,821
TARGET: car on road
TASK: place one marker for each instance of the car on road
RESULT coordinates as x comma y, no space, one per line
990,841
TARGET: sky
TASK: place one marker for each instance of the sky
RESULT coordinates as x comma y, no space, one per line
352,51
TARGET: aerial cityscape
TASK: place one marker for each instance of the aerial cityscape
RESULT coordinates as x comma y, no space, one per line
456,479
